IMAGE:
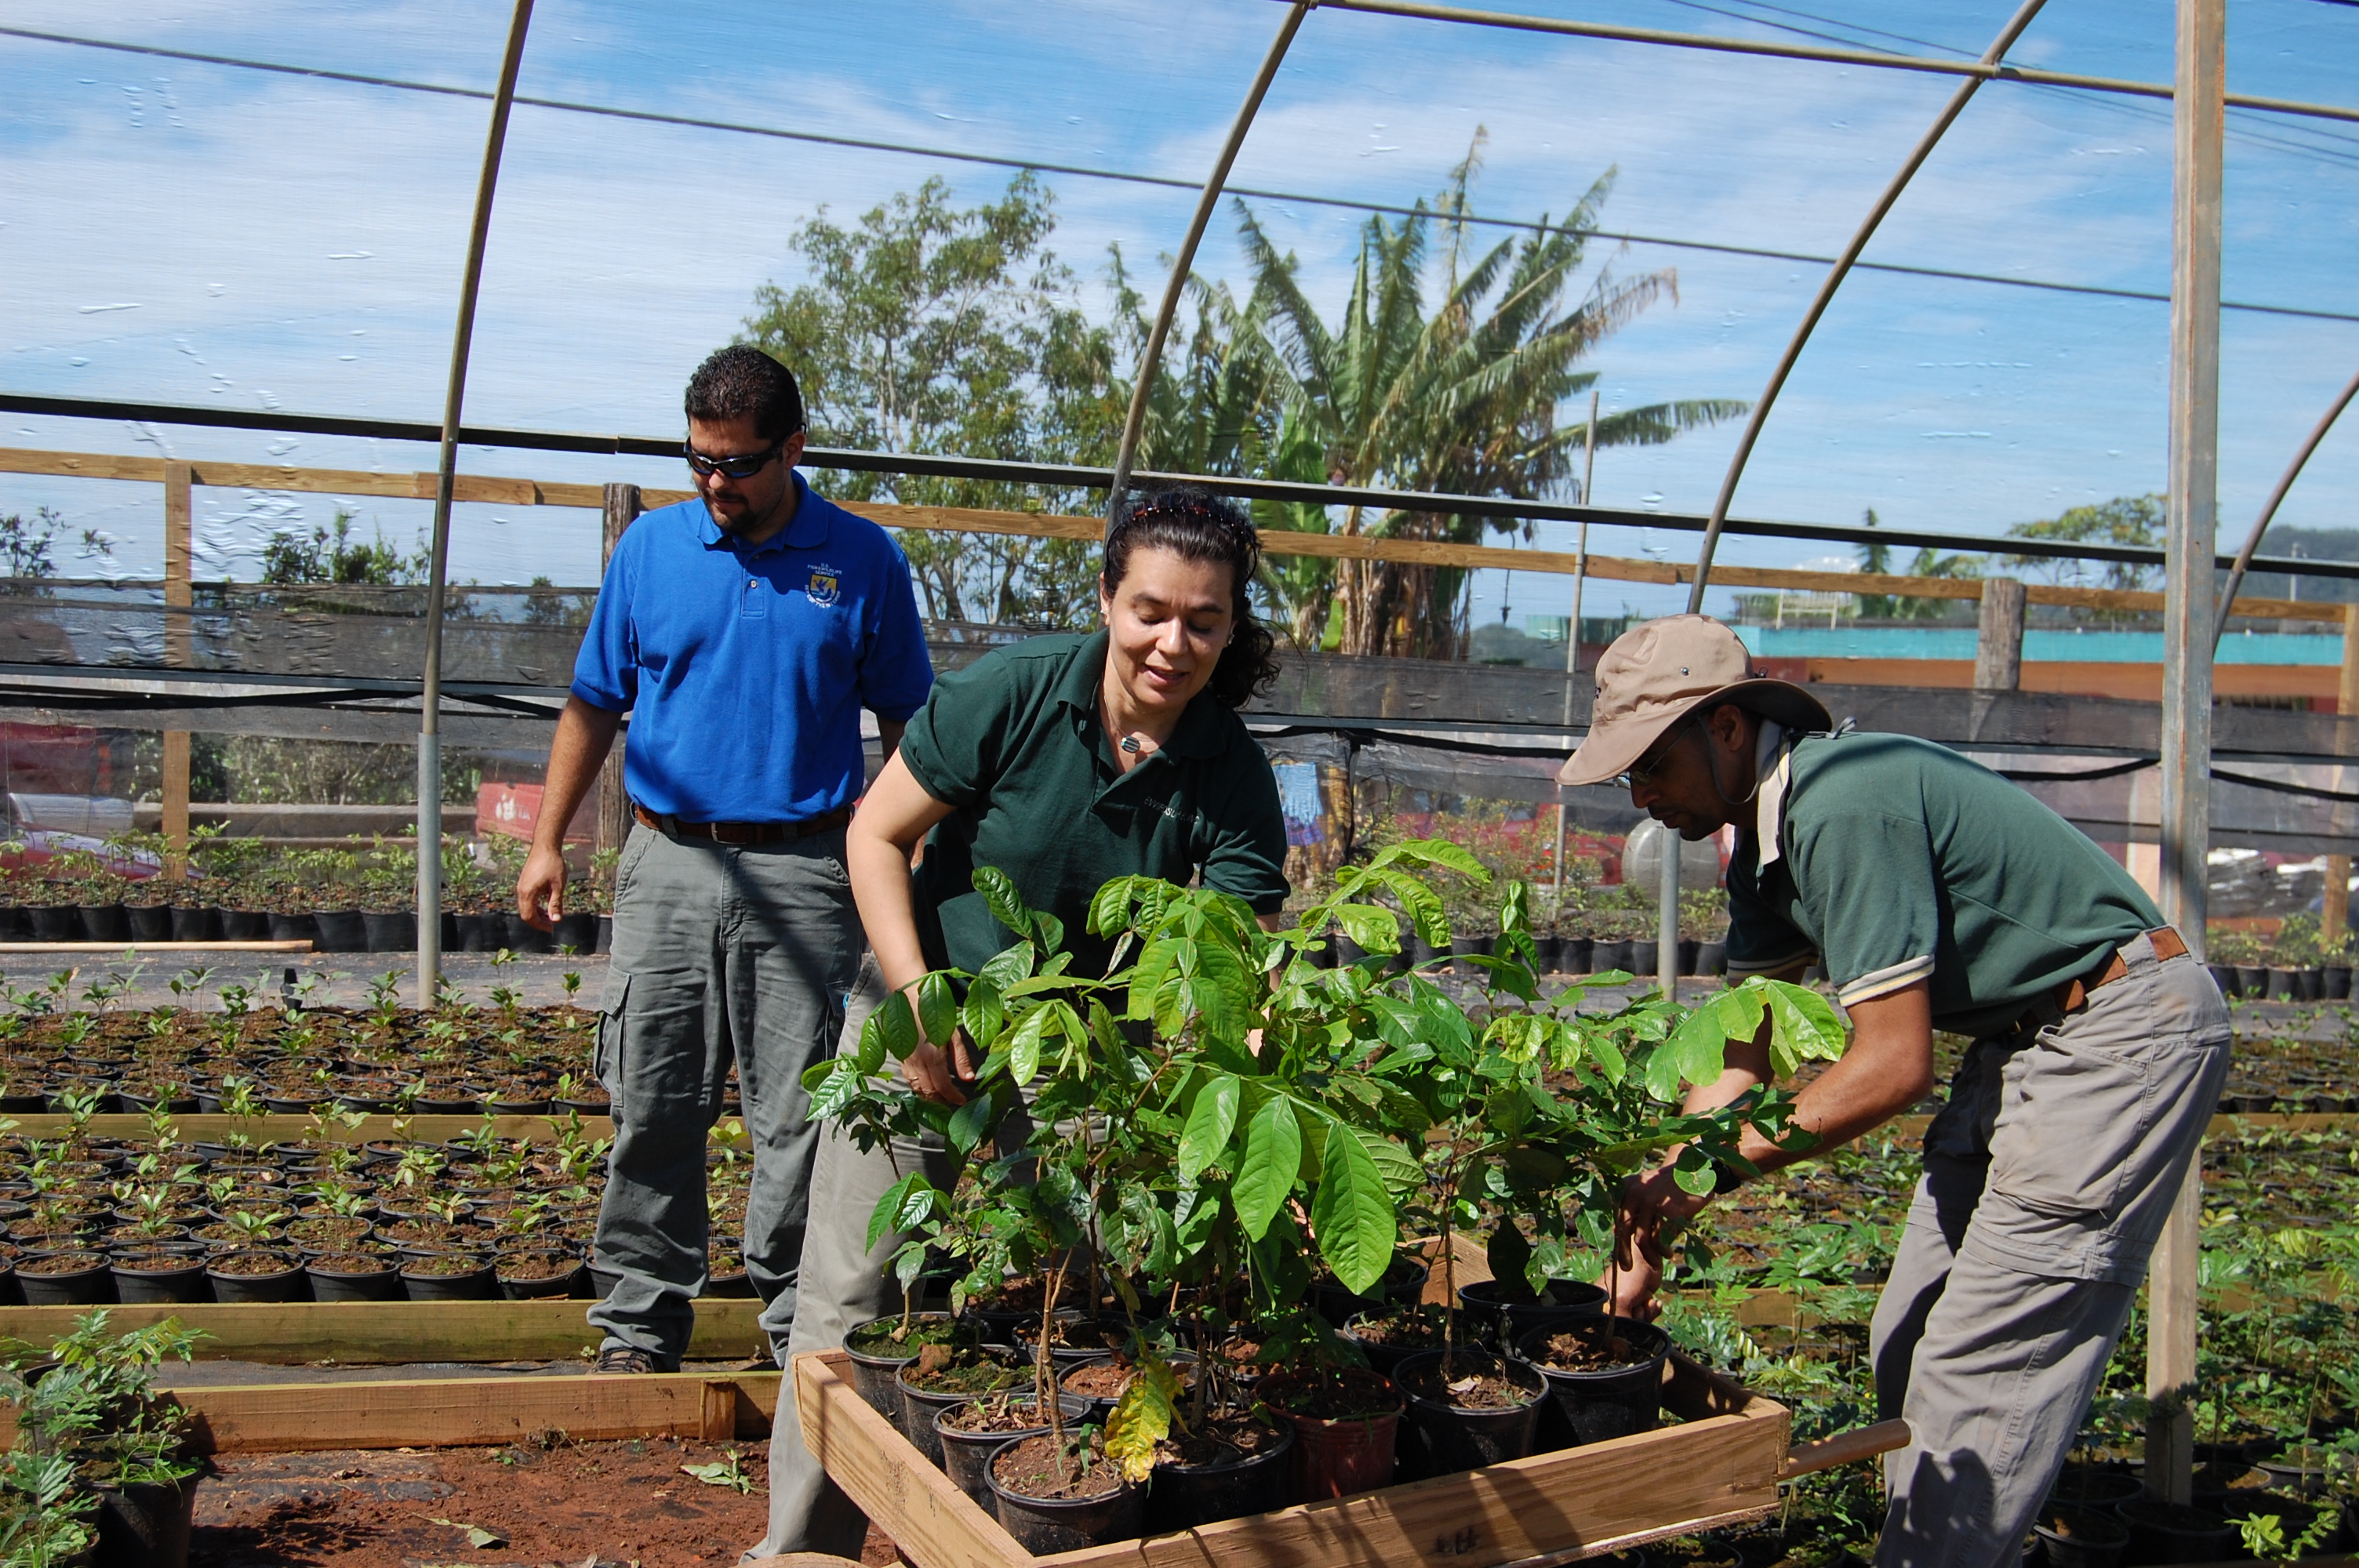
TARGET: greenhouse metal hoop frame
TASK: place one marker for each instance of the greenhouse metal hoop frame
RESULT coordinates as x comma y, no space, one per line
2199,99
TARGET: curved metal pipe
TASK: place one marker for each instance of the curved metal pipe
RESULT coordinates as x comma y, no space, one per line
2261,524
429,739
1842,269
1153,357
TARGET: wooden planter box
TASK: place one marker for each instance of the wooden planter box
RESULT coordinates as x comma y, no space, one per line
1719,1466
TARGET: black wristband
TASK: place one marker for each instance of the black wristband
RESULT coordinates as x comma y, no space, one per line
1726,1178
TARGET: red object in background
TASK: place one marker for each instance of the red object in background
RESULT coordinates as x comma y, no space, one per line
60,759
512,810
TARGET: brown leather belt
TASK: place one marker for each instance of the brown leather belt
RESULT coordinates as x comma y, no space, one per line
743,832
2074,994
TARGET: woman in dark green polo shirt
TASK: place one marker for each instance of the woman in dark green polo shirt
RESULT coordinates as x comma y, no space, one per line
1064,761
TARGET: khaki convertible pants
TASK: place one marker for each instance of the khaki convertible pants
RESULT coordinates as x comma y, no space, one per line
2048,1178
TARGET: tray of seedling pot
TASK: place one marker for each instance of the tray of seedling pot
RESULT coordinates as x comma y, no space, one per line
1186,1330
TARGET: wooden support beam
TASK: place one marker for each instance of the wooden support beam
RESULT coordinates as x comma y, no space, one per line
260,944
2334,911
460,1413
393,1334
620,506
1998,640
180,550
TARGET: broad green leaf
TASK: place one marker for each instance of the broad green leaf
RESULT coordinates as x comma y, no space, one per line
1515,909
870,1053
1423,906
1023,1049
1265,1176
1210,1122
999,896
1372,927
1509,1254
970,1125
1110,910
984,1013
937,1007
843,1084
1011,965
1156,963
1353,1214
1803,1027
1693,1173
885,1217
1397,1167
1439,852
1142,1417
1696,1051
897,1026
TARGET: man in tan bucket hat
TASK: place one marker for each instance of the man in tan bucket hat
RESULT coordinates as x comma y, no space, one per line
1938,896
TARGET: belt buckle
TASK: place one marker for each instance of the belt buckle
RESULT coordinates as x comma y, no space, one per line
737,833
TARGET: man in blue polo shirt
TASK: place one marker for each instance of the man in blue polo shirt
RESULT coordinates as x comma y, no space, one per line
743,631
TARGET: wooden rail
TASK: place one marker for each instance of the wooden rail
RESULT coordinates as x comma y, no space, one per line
499,490
395,1334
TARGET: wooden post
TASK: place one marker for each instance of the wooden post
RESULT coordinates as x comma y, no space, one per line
613,801
1998,642
179,546
2190,587
2333,912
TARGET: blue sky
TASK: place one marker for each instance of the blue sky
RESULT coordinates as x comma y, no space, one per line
189,233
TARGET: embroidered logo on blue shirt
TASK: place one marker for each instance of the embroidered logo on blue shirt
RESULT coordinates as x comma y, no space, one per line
823,585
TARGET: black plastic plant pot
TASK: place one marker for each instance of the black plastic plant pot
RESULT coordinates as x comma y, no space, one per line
537,1285
1383,1356
341,931
67,1278
1606,956
2081,1538
1501,1314
286,1283
244,926
873,1372
2295,1515
422,1281
195,923
158,1279
2094,1486
919,1406
1644,958
390,931
1612,1401
145,1526
1102,1405
966,1456
56,922
2173,1533
1442,1437
522,936
578,931
731,1285
340,1277
149,922
1183,1497
292,927
1044,1526
106,923
12,1294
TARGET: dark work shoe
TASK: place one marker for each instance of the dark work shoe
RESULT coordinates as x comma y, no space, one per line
625,1359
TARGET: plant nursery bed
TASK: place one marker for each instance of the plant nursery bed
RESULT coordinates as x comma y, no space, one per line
662,1502
1718,1465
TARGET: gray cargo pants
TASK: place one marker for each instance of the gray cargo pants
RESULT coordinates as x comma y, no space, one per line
721,953
843,1281
2048,1177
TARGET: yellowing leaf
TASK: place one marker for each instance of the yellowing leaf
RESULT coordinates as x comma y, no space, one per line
1142,1418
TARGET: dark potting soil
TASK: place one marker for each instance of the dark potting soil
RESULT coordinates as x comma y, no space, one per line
249,1265
537,1265
1471,1389
61,1263
891,1337
1036,1467
1575,1352
1404,1328
1348,1395
156,1263
1002,1412
443,1264
354,1263
1224,1439
939,1369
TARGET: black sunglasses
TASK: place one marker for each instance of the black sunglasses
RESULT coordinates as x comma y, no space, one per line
745,467
1643,772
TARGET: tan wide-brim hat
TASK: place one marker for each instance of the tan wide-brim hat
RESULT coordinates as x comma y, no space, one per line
1657,674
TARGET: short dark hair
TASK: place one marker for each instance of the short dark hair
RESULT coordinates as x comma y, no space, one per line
1197,525
742,382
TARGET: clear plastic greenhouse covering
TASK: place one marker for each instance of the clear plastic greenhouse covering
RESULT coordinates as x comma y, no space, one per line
265,209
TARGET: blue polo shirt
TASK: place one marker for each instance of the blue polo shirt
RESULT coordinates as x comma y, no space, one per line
744,670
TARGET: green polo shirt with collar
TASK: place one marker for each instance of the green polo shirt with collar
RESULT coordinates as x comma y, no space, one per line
1012,742
1900,860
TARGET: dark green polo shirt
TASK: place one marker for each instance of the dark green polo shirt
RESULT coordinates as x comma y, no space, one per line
1014,742
1901,861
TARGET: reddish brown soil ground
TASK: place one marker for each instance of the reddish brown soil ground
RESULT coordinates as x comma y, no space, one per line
575,1505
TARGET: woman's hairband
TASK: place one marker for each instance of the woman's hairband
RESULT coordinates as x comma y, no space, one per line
1211,512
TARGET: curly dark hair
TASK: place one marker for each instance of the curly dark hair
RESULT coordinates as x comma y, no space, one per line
1197,525
740,381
